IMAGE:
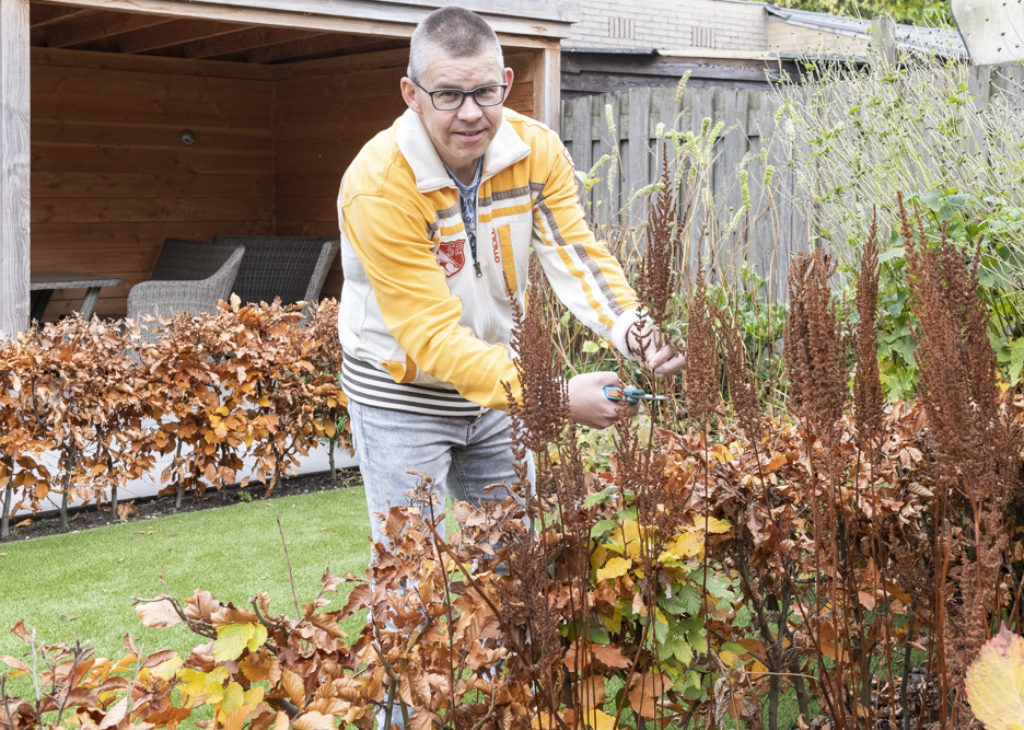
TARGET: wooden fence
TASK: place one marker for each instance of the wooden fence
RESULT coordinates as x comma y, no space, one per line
774,227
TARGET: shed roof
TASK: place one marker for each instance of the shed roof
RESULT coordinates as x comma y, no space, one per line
268,31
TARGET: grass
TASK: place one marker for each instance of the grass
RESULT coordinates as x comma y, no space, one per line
82,584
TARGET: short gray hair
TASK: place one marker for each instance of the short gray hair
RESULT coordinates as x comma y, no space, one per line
457,32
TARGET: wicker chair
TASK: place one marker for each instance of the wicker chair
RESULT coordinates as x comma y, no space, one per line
290,267
189,276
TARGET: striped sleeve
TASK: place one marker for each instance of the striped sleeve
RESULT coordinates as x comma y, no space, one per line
584,274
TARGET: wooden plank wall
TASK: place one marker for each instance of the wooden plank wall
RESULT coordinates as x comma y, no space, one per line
775,228
111,177
325,111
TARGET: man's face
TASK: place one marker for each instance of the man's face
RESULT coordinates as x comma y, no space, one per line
460,136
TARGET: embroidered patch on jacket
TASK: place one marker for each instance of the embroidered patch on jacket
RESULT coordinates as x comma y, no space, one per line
451,255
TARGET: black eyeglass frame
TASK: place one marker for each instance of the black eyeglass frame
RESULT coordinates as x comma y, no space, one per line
462,100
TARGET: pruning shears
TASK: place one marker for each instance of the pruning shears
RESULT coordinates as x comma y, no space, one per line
630,395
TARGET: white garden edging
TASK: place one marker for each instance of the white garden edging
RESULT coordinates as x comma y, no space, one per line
317,460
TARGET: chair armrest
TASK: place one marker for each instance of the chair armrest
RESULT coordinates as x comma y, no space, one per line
156,297
328,252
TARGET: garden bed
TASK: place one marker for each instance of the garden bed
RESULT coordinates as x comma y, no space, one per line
85,518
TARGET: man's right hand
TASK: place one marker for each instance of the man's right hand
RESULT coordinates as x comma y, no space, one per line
589,406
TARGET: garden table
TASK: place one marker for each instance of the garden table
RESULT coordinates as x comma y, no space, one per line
45,282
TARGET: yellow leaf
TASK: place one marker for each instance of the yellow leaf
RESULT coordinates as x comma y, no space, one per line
168,669
757,668
727,657
687,545
233,697
995,682
614,568
715,525
544,721
258,638
597,719
232,640
721,453
202,684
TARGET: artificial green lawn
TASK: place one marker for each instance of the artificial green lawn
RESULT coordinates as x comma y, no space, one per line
82,584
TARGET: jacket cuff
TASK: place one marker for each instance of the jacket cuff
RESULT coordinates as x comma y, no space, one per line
621,328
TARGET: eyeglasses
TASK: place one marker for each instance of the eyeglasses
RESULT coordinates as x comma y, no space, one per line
448,100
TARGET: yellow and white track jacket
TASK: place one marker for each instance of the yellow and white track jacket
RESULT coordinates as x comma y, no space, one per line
421,332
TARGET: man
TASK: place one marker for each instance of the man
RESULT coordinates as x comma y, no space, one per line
437,213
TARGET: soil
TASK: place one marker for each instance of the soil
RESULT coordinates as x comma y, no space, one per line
84,518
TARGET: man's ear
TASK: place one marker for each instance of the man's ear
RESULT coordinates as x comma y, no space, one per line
508,80
409,94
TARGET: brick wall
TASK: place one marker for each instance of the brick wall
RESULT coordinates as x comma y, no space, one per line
722,25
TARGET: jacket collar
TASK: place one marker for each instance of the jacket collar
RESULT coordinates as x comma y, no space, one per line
505,149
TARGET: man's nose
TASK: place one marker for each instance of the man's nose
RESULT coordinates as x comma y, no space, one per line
470,110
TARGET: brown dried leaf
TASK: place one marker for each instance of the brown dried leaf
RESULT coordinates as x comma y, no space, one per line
293,685
21,632
645,691
155,660
611,656
158,613
314,721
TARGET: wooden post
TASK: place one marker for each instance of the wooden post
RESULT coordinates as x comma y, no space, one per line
547,82
883,38
15,163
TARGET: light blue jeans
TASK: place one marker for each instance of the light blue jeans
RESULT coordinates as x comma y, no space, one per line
461,454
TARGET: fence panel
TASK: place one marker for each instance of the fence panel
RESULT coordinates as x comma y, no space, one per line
774,227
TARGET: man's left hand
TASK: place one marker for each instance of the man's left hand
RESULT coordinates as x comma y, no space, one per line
661,359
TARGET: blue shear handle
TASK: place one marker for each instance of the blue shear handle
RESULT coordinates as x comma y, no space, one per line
617,393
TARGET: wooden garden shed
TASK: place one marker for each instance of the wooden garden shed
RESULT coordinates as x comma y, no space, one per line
124,122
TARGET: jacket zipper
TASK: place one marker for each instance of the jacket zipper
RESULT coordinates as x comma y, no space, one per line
472,235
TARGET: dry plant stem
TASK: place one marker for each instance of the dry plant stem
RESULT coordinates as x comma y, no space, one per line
5,700
905,680
76,654
448,609
5,518
70,458
288,563
443,546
